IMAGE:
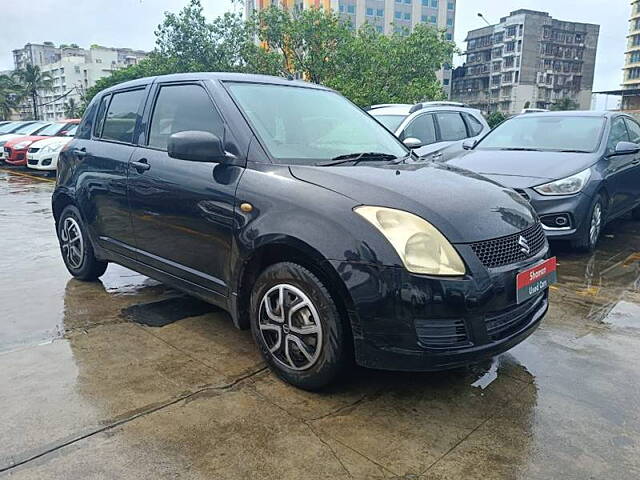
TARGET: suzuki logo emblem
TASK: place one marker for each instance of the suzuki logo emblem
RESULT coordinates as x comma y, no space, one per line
524,245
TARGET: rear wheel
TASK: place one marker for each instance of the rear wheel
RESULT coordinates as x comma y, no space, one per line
297,326
589,239
75,246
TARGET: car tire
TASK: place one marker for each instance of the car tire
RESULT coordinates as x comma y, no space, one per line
595,223
291,310
75,247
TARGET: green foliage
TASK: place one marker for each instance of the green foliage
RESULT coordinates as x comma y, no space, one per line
71,109
32,80
314,44
564,104
495,118
10,96
527,104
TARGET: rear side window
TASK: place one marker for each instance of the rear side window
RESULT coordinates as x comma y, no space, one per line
86,125
634,130
181,108
422,128
452,126
122,114
474,124
97,132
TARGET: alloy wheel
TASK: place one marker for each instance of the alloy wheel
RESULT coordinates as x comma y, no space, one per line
290,327
71,242
596,224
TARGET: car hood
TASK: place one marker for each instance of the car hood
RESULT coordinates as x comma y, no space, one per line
23,138
464,206
522,169
8,136
51,141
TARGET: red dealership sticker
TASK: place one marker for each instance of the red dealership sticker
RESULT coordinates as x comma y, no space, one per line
536,279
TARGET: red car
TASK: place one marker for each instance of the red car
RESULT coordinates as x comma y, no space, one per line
15,150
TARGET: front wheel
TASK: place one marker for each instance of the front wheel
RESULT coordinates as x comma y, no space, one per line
75,246
297,326
589,239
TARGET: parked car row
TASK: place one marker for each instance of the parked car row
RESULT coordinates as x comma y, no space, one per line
35,144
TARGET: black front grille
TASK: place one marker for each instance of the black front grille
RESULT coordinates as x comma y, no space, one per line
32,162
507,250
442,334
33,150
502,324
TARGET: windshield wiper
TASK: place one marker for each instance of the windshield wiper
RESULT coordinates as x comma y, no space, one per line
357,158
521,149
572,151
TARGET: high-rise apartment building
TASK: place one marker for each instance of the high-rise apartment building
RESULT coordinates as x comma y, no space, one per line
631,75
527,58
73,70
385,15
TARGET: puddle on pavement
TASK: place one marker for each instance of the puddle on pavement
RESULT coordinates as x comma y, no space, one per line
167,311
624,314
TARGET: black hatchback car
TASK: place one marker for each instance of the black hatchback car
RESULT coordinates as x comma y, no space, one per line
579,170
291,208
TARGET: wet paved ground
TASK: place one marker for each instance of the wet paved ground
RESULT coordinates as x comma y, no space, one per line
88,392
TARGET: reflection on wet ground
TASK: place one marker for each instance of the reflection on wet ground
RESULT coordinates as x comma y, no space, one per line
88,390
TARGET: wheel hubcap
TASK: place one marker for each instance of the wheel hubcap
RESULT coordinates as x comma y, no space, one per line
596,222
290,327
72,243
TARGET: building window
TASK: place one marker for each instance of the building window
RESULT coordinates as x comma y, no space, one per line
451,6
379,29
445,81
507,77
408,2
635,57
351,9
370,12
450,22
634,74
433,19
434,3
425,3
398,15
449,37
380,12
341,8
407,16
511,31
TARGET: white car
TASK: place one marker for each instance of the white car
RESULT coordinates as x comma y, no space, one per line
43,154
19,129
430,127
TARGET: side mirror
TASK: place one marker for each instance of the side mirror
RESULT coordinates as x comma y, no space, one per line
469,143
412,142
625,148
196,146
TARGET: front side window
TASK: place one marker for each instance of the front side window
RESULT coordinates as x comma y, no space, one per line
86,125
618,134
302,125
546,133
122,114
102,110
181,108
52,130
31,128
422,128
7,128
452,127
634,130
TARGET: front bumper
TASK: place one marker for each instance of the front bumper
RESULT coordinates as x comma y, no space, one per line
15,157
576,207
43,161
402,321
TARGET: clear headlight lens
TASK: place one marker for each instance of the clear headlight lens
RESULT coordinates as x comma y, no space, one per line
565,186
422,248
22,145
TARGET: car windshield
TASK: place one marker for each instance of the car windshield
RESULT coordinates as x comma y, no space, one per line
392,122
31,128
308,125
7,128
546,133
72,131
53,129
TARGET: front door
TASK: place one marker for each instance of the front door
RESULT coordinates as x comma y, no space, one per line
182,211
621,171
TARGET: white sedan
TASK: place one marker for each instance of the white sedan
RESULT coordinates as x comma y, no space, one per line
43,154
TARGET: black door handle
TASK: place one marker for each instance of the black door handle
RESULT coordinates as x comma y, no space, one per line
635,161
80,152
141,165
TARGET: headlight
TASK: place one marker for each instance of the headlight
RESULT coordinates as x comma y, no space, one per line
422,248
565,186
22,145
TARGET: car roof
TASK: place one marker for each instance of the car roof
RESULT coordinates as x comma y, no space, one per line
405,110
220,76
570,113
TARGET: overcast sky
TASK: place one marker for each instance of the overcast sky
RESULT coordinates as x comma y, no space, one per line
131,23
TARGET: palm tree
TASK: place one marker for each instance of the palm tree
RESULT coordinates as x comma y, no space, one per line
10,96
33,79
71,108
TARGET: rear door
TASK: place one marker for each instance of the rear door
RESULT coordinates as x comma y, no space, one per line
621,170
633,128
182,211
451,128
102,167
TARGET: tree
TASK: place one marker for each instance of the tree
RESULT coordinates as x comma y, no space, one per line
33,80
71,108
10,96
564,104
527,104
495,118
